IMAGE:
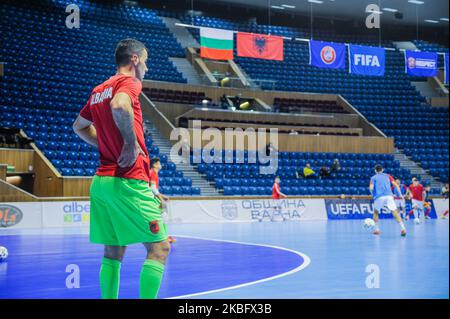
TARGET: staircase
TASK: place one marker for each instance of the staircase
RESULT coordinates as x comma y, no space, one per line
415,169
206,189
187,70
182,35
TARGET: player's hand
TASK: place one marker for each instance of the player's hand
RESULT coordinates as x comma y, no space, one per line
129,154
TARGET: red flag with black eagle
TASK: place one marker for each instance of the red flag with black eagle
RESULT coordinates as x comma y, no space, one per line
260,46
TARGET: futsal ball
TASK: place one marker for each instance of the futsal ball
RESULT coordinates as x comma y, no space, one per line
369,223
417,221
3,253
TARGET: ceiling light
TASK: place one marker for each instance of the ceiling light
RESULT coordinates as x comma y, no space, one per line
288,6
416,2
431,21
390,10
315,1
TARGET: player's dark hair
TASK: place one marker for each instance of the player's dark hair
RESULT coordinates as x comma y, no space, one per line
125,50
378,168
153,161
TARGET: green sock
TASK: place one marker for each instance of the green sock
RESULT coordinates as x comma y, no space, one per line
150,281
110,278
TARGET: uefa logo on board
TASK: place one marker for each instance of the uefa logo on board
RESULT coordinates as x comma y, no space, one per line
411,63
328,55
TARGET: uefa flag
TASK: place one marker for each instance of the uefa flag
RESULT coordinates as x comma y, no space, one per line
327,54
260,46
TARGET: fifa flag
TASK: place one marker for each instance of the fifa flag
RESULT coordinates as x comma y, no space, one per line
260,46
367,60
421,63
216,44
446,68
327,54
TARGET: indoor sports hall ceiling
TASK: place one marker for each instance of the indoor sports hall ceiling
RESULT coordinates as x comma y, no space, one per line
435,10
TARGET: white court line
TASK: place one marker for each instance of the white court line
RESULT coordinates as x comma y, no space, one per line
306,262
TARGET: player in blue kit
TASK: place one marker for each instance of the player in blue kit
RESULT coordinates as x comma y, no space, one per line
380,188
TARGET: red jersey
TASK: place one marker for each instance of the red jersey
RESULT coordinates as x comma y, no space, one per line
417,192
110,141
276,191
154,178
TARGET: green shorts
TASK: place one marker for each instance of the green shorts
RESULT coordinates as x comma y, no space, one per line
124,211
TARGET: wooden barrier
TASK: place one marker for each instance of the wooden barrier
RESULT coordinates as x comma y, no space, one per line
3,171
256,118
281,128
10,193
76,186
439,102
19,158
295,143
2,69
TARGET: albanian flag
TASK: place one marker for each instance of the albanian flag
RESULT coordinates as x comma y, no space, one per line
260,46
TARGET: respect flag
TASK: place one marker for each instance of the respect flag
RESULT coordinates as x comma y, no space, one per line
260,46
367,60
421,63
216,44
327,54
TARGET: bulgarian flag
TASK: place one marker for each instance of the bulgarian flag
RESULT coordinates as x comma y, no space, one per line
216,44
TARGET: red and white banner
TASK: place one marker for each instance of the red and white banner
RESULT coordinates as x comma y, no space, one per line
260,46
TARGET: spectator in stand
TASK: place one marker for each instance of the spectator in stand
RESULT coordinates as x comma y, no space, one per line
324,172
308,172
293,132
336,166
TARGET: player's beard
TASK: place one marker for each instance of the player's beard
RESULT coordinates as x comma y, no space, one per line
140,72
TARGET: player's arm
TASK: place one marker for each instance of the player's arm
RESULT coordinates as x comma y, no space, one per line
397,187
371,187
155,191
85,130
123,115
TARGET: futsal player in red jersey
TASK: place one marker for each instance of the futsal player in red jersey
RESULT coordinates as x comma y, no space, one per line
276,196
417,194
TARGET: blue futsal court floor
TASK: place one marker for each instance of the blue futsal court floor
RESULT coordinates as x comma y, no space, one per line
306,259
